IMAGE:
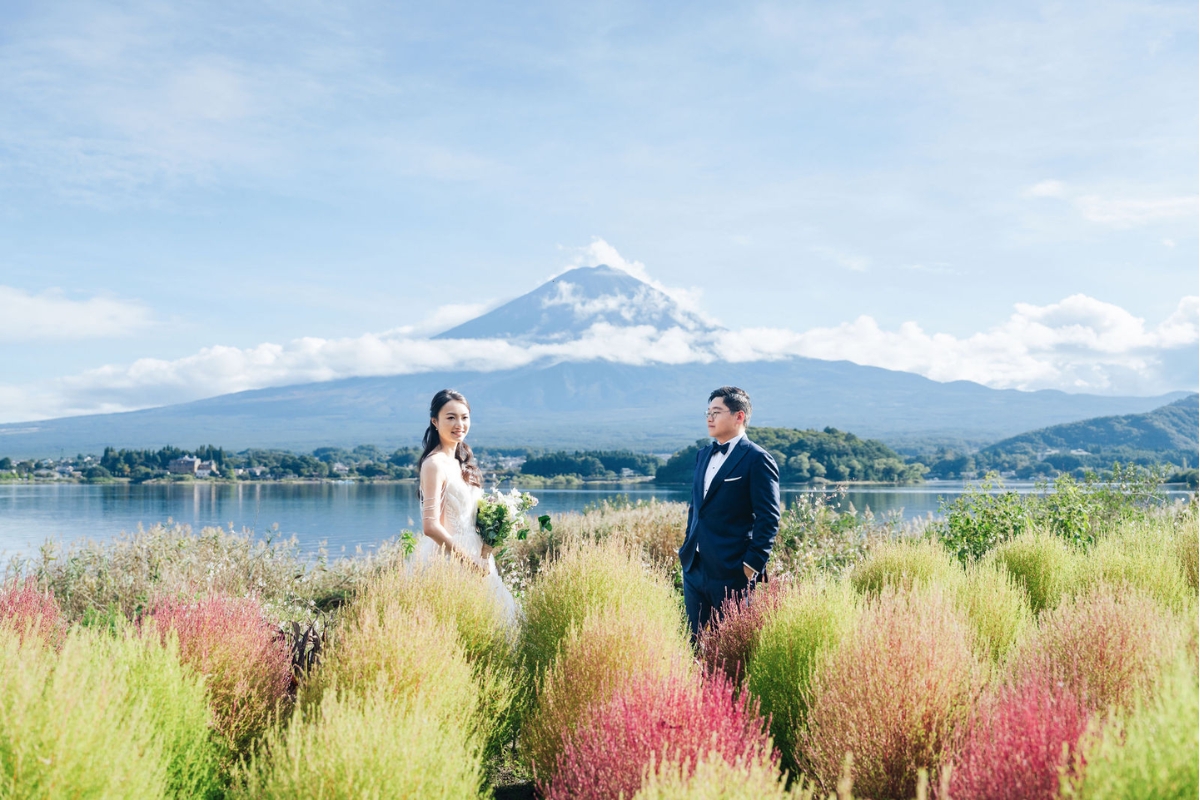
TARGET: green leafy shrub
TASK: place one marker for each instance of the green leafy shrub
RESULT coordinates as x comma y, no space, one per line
1149,753
904,565
1107,647
816,538
1045,567
997,607
809,619
105,716
353,746
892,694
597,659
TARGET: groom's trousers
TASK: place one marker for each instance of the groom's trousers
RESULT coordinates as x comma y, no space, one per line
704,589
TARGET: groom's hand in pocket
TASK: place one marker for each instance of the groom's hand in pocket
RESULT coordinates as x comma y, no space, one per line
750,574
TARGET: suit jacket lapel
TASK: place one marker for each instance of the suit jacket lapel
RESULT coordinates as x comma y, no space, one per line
731,460
698,481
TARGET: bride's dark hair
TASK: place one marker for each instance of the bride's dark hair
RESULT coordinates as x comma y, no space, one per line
432,440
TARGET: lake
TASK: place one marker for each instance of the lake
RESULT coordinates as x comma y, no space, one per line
345,516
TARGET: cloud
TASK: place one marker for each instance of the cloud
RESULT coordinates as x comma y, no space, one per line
842,259
442,318
601,252
1119,212
53,316
1078,344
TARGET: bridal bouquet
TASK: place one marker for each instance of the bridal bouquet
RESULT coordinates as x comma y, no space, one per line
500,512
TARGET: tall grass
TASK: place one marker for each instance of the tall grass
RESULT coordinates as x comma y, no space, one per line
1187,548
597,660
680,718
714,778
997,607
174,560
1018,741
905,564
1043,564
363,746
1106,647
104,716
246,665
29,610
810,618
1151,752
892,694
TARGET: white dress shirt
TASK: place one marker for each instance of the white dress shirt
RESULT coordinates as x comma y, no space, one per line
718,459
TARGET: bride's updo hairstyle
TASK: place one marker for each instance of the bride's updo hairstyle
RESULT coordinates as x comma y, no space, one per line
432,440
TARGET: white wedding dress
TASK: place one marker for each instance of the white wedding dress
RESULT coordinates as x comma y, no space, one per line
457,508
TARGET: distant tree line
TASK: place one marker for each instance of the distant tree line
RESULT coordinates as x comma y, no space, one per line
592,464
811,456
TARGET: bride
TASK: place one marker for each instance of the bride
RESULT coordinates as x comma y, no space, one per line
451,486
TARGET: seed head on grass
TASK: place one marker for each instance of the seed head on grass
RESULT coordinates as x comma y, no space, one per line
679,718
892,694
245,663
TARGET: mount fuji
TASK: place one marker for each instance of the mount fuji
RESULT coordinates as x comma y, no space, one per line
608,360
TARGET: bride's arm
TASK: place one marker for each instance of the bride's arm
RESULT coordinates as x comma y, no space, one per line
433,489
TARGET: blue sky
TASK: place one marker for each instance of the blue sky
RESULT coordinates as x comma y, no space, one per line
182,176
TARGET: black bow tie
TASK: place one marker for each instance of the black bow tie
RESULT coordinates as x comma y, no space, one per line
721,448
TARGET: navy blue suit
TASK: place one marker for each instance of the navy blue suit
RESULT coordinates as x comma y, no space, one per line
734,524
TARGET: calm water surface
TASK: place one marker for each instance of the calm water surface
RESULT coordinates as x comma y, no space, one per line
344,516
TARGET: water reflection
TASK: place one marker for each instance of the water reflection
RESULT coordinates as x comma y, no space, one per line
344,515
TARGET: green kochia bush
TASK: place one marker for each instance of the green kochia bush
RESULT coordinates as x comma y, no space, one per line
372,746
1045,566
807,621
1150,753
1139,556
904,564
714,778
106,716
997,608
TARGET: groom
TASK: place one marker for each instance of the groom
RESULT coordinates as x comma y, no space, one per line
734,514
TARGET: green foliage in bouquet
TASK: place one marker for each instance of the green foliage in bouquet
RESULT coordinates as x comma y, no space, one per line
502,514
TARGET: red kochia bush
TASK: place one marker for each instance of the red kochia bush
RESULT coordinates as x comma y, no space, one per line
729,642
1017,741
245,663
678,718
31,611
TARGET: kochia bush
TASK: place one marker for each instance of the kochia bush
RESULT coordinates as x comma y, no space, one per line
598,660
1018,741
680,719
31,611
892,694
353,746
1106,647
1045,566
714,778
809,620
1139,556
727,644
905,564
997,607
244,662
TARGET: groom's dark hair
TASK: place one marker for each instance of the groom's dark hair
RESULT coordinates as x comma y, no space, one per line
735,399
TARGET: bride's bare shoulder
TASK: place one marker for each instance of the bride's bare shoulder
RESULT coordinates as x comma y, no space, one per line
435,464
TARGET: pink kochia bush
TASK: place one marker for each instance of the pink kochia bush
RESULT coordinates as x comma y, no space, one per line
729,642
1018,741
246,665
677,719
1106,648
891,694
30,611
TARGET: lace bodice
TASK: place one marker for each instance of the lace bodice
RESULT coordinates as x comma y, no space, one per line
454,505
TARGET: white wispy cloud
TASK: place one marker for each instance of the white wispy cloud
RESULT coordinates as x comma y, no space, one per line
601,252
51,315
1118,211
1077,344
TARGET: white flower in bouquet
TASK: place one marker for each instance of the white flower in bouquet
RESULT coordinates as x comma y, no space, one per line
500,514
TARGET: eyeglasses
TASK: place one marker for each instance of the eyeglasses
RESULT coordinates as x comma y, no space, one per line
711,415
